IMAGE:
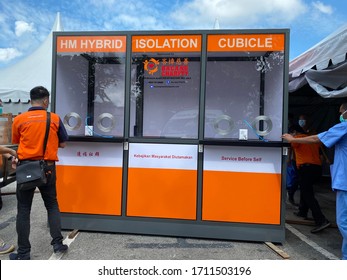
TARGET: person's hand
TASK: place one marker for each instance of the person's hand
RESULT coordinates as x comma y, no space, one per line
288,137
14,162
13,153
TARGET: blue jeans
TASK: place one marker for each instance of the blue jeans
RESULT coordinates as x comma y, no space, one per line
24,202
341,219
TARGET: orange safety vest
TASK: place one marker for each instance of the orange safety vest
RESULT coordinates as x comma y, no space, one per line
28,130
306,153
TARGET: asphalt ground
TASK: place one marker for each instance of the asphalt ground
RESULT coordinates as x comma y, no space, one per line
299,243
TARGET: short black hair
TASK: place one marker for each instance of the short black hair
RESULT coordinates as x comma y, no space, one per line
39,92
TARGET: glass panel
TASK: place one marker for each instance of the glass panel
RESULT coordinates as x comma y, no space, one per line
90,85
165,86
244,89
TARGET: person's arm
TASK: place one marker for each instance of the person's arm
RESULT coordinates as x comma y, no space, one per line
10,154
62,135
62,145
9,151
301,140
290,156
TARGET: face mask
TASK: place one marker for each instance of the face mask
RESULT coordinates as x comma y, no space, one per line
341,117
302,123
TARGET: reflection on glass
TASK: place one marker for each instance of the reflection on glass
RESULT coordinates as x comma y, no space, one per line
247,89
165,95
90,91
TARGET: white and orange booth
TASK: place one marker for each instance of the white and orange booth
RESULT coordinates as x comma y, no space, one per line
173,133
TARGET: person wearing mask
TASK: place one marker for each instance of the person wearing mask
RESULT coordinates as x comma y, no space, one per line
336,137
302,121
308,162
1,107
10,154
28,131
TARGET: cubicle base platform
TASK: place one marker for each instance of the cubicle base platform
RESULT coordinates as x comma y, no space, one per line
179,228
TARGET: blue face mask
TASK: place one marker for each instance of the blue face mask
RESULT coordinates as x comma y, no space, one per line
341,117
302,123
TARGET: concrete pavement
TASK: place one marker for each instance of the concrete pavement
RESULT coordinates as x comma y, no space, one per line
300,244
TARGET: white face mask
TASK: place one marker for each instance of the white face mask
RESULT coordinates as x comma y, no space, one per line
342,119
302,123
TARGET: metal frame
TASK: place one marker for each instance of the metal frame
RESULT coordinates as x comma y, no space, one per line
176,227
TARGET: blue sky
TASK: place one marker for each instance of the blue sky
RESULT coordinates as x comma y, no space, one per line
26,23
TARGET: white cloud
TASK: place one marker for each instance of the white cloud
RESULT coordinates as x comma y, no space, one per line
7,54
23,27
325,9
235,13
305,18
130,14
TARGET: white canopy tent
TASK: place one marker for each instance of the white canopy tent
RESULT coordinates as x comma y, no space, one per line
323,67
17,80
318,83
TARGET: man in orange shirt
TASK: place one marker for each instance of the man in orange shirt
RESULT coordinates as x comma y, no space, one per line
308,162
28,130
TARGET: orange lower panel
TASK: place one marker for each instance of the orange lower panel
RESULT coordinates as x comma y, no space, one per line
241,197
162,193
89,190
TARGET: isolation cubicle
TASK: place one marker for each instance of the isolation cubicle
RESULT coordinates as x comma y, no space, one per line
173,132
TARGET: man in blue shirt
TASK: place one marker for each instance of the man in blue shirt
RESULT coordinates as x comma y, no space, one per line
335,136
